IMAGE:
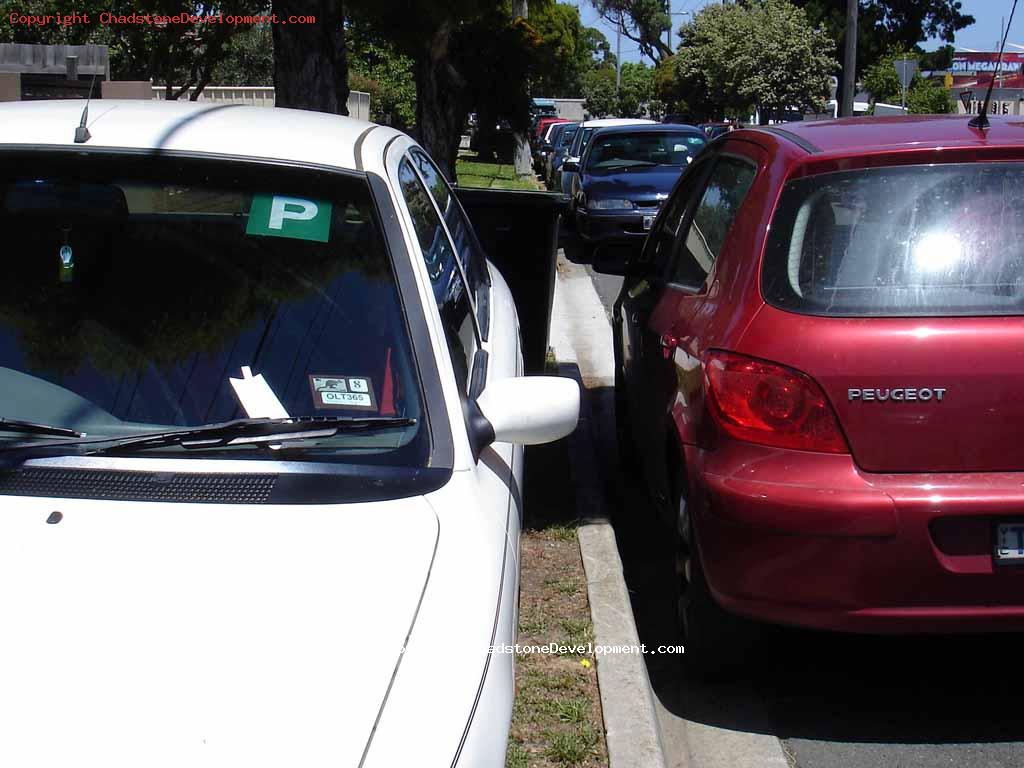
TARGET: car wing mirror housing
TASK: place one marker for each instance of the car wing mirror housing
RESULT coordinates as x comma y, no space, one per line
526,410
571,165
617,258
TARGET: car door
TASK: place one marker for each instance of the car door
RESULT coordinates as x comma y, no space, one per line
664,311
493,352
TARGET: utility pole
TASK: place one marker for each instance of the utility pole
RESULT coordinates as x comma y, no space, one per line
618,55
903,90
668,12
850,59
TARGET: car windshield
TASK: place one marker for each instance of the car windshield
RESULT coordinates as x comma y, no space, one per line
137,290
911,240
646,148
566,136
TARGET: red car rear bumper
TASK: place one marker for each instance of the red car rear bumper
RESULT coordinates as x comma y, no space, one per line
809,540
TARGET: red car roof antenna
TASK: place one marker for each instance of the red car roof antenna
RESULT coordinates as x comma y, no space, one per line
980,120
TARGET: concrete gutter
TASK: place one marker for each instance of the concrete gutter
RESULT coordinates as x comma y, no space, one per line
581,339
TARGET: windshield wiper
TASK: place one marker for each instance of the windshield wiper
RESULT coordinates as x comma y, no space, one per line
631,164
254,432
224,434
32,428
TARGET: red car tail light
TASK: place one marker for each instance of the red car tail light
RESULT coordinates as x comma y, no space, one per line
761,402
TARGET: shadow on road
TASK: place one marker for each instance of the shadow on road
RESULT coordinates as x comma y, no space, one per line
915,690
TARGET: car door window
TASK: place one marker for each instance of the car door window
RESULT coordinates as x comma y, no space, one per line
723,195
450,290
467,246
661,243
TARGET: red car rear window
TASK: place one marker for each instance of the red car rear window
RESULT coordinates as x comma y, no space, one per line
920,240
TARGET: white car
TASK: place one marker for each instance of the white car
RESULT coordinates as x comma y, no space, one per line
262,453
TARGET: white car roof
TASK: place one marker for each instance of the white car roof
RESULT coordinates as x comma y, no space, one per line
606,121
256,132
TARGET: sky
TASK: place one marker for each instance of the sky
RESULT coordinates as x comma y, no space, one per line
982,35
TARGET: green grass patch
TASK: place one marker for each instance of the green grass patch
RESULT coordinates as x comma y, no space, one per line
533,625
513,184
570,747
516,756
560,533
577,632
490,176
564,586
574,711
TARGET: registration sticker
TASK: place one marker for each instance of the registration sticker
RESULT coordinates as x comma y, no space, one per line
342,392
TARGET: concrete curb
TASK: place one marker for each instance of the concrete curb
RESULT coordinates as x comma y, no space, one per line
632,732
580,334
640,731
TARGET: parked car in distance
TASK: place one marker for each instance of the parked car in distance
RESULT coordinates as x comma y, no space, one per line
543,146
579,144
260,444
543,124
625,175
817,371
560,142
714,130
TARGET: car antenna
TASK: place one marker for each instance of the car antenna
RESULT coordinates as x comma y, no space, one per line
980,121
82,134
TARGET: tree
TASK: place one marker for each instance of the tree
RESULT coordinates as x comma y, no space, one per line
377,68
635,97
599,92
428,32
567,50
645,22
929,97
182,57
248,59
761,55
924,96
883,25
310,61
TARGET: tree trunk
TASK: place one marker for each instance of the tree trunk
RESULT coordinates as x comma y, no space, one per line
310,65
439,102
523,157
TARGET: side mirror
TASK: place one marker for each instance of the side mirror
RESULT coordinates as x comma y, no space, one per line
571,165
529,410
612,259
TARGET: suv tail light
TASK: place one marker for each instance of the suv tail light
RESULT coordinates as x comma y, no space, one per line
761,402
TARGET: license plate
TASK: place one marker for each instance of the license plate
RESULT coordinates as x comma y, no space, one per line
1010,543
648,221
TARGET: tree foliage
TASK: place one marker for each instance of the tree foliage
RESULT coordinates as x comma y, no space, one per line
248,59
635,97
884,25
377,68
566,50
737,58
924,96
645,22
182,57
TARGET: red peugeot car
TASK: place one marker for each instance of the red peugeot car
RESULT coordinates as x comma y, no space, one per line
820,370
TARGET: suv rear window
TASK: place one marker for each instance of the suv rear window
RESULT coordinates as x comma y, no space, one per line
917,240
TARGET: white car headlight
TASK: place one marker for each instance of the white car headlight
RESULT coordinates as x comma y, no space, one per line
610,204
